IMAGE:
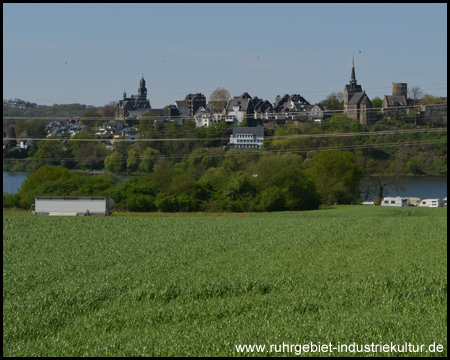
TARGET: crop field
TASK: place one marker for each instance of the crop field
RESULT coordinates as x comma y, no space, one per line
200,285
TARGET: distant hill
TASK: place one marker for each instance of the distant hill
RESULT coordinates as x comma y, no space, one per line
69,110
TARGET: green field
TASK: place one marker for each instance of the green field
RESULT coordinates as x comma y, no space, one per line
199,285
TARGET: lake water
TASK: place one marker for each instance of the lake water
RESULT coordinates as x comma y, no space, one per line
421,187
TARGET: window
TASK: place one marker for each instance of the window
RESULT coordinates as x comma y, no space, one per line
392,201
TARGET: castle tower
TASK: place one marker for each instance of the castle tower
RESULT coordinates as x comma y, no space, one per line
400,89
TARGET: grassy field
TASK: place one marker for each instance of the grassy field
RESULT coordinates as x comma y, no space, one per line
199,285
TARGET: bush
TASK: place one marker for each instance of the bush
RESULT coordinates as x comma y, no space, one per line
272,199
11,200
139,203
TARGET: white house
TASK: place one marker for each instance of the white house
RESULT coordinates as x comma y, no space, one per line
247,138
128,133
237,108
25,143
203,117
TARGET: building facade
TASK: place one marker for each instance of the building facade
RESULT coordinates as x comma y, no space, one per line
247,138
134,106
357,105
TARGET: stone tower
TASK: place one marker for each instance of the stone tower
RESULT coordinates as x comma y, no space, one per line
142,91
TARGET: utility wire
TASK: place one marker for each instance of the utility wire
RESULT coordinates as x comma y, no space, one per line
368,133
249,152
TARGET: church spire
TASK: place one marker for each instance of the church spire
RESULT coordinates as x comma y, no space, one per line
353,79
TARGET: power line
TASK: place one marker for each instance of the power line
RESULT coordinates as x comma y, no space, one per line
253,152
367,133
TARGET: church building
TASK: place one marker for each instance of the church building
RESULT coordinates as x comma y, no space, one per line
134,106
357,105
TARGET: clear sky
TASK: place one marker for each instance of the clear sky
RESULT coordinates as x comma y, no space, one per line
91,53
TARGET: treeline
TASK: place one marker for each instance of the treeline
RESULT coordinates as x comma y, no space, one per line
63,110
243,181
414,153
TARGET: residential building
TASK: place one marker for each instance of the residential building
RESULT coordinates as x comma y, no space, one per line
320,112
129,133
398,101
247,138
183,108
26,143
434,113
110,128
239,106
194,102
203,117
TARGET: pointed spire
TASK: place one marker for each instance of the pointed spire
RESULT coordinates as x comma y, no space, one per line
353,79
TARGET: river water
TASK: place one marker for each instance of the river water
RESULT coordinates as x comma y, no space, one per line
421,187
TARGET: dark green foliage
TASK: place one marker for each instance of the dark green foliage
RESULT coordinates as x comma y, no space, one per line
115,162
328,168
240,186
273,199
174,203
138,202
42,175
11,200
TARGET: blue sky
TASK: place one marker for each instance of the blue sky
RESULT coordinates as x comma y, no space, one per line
91,53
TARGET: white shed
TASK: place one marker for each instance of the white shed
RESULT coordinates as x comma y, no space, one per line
73,205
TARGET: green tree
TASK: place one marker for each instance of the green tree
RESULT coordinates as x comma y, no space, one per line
329,168
114,162
148,159
380,177
377,103
240,186
109,111
41,175
91,118
132,160
12,135
51,150
201,159
430,99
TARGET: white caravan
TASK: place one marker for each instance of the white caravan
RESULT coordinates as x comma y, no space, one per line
395,201
431,203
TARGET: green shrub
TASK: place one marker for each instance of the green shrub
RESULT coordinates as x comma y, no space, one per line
272,199
11,200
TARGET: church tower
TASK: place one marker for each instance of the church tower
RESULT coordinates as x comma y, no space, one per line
351,88
142,91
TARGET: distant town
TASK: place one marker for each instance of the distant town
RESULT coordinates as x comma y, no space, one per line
246,121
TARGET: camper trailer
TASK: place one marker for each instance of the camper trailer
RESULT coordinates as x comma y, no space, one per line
395,201
431,203
413,201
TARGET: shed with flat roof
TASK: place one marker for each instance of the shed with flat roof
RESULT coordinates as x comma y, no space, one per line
73,205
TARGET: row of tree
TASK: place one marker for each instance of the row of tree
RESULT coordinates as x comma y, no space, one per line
243,181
